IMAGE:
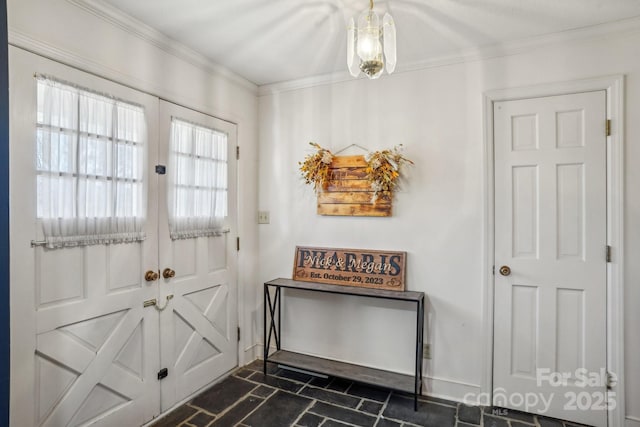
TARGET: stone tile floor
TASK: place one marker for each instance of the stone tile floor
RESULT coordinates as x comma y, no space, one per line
286,398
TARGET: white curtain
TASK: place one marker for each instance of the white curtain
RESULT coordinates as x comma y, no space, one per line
90,166
197,180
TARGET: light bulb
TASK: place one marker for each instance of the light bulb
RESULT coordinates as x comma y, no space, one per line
368,44
369,48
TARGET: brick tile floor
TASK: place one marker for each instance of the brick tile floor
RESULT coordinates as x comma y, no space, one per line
289,399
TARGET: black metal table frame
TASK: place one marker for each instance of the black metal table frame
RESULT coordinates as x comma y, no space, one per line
275,327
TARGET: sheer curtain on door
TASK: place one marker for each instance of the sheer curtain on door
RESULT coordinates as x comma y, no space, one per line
90,165
197,180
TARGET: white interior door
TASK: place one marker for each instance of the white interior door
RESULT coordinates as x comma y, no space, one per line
83,349
199,326
550,230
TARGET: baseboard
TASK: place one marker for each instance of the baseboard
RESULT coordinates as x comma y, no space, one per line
259,351
248,355
441,388
632,422
458,391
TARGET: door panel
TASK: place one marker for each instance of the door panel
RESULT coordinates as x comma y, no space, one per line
199,326
550,225
83,350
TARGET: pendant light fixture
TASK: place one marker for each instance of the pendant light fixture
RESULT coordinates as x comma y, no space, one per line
371,47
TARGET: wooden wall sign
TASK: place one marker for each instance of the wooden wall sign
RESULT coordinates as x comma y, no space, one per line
348,192
351,267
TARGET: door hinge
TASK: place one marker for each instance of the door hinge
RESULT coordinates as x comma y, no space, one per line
608,127
608,253
237,152
237,243
611,381
161,169
162,373
238,333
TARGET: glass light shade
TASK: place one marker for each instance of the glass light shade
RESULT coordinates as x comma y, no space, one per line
354,66
389,36
370,44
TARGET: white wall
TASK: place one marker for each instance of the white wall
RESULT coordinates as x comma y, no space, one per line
90,42
438,218
436,113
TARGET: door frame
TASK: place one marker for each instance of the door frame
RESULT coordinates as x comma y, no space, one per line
102,72
614,87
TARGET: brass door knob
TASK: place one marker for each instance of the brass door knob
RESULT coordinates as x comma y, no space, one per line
505,270
151,276
168,273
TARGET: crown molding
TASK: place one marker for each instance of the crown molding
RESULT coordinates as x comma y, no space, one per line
622,27
40,47
143,31
47,50
152,36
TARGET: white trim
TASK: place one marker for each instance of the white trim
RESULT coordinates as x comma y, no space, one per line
249,355
66,57
308,82
488,252
443,388
260,350
457,391
614,85
469,55
632,422
615,234
117,18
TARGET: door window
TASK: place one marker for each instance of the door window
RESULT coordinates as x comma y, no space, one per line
197,180
90,166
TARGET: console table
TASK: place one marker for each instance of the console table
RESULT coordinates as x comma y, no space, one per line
376,377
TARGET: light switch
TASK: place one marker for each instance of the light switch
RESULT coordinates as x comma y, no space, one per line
263,217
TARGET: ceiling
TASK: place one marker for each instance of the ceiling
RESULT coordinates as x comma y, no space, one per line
269,41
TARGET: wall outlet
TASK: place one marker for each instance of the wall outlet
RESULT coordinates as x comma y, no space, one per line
263,217
426,351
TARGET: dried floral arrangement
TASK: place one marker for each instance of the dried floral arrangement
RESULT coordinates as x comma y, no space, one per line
315,168
383,169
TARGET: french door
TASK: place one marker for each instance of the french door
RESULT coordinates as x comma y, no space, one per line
85,347
199,327
550,273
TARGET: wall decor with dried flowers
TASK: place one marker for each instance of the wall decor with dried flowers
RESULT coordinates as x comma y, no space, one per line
354,185
315,168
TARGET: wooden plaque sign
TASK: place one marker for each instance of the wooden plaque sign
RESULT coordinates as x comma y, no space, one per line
351,267
348,192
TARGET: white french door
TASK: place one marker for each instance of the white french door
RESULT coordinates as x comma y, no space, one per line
550,272
200,326
84,349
